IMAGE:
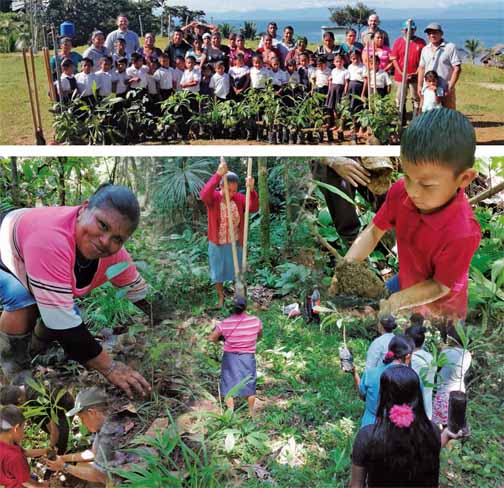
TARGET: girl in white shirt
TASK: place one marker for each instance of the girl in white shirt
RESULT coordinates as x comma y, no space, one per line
192,76
240,76
259,75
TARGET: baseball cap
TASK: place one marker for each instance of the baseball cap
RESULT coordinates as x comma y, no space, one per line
206,34
405,25
433,26
89,397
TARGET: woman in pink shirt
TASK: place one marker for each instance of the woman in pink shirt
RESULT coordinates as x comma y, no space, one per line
240,332
382,51
48,257
219,238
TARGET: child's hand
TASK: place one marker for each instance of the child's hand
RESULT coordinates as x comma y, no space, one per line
222,169
250,183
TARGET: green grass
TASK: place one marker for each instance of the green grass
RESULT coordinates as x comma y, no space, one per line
483,105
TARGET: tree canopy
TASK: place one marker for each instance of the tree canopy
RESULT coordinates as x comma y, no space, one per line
351,15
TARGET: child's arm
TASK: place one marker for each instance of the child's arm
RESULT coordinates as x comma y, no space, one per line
419,294
365,243
345,90
364,87
35,453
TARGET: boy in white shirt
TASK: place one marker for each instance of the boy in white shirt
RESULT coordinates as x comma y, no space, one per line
338,88
278,76
383,81
105,77
178,72
68,81
120,78
321,75
164,76
240,76
119,50
305,71
86,80
192,75
259,75
137,72
220,82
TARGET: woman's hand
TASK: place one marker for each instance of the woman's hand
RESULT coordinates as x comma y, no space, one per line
127,378
250,183
56,465
222,169
351,171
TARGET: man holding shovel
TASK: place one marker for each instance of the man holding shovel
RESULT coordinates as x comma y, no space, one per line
226,222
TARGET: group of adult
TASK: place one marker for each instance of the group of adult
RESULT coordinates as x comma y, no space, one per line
204,42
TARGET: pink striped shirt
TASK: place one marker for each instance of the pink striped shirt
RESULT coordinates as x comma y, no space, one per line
38,246
240,333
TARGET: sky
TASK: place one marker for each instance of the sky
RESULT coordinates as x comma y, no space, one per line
226,5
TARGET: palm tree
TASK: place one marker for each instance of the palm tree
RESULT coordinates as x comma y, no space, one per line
474,47
249,30
225,29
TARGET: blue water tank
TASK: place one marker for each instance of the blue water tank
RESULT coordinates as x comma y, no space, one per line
67,29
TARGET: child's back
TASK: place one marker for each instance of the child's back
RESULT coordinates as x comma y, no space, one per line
240,332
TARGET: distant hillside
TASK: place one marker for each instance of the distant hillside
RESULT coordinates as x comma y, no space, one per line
474,11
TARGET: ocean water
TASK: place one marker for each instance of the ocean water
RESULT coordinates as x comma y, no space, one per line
488,31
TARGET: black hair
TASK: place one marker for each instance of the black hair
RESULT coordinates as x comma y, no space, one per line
232,177
87,61
400,346
122,60
121,39
291,62
273,23
442,136
178,58
136,57
257,56
350,30
97,33
119,198
64,40
321,60
388,322
164,55
330,34
219,64
66,63
431,76
376,59
106,58
339,56
416,319
207,66
179,30
239,305
407,450
417,333
12,415
239,56
192,58
9,395
288,27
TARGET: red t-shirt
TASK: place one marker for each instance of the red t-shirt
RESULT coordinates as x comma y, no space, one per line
436,246
399,51
14,469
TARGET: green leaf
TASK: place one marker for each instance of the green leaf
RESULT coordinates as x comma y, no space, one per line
336,191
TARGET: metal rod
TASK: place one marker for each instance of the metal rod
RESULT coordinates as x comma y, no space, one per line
402,100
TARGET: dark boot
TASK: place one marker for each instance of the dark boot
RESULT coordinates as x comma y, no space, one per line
15,359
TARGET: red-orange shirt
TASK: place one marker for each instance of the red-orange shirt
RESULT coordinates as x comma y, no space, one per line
399,52
14,469
436,246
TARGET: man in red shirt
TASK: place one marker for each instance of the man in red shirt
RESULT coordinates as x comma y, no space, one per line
398,58
437,233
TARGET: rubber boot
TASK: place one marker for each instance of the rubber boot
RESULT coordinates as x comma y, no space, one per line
15,359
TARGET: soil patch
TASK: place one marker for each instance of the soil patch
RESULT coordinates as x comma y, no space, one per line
356,279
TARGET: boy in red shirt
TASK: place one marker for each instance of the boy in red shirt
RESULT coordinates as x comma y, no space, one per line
436,231
14,469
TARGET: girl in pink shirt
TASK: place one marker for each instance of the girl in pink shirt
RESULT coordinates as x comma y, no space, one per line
240,332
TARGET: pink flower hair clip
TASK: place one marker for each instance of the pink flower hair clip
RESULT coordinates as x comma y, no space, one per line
389,354
401,415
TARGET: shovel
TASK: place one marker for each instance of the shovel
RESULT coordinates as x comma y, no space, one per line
33,95
239,286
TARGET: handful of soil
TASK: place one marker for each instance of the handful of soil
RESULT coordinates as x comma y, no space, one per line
381,170
356,279
346,359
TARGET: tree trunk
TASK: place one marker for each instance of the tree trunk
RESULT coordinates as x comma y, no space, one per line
264,208
61,181
289,210
14,182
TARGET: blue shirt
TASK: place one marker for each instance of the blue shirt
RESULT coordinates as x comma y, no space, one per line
378,349
370,389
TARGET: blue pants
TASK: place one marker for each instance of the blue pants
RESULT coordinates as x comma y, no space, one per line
13,295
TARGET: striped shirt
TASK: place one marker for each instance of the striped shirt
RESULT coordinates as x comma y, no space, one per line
240,333
38,246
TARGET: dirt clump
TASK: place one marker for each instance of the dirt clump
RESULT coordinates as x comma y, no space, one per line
356,279
381,170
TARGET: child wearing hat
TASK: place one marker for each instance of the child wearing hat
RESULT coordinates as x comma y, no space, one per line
14,468
240,332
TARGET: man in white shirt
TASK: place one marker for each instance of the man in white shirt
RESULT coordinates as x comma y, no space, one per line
272,31
286,44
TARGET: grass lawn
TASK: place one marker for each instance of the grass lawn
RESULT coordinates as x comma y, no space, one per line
483,104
